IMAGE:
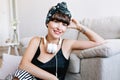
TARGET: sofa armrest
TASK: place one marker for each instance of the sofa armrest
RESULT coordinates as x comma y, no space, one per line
110,48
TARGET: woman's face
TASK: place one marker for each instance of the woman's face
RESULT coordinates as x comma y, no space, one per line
56,28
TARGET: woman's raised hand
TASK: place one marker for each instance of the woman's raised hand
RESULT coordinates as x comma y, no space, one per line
74,24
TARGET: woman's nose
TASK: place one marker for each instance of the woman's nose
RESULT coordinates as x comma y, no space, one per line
60,25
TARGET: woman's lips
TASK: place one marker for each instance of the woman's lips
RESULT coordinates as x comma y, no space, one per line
57,32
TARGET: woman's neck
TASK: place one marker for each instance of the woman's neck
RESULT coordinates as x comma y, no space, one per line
52,40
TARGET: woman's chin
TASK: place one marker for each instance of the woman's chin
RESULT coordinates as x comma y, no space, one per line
57,36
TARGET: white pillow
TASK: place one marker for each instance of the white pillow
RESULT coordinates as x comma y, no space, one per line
9,65
110,48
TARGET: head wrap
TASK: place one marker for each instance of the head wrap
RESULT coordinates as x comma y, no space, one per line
60,7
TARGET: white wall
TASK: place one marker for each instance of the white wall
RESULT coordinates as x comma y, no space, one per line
32,13
4,21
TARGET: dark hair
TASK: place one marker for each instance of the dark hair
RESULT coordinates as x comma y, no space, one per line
59,12
61,18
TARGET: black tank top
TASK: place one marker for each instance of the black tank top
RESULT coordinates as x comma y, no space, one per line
50,66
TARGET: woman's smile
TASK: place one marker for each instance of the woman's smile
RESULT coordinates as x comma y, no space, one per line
58,32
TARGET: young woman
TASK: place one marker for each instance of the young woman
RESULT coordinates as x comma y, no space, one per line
47,58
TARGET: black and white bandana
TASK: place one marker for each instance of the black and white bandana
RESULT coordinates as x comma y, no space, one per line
60,7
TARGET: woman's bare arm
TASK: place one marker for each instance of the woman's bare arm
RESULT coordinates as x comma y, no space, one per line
94,38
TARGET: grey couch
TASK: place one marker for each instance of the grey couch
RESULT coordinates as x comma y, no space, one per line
101,62
97,63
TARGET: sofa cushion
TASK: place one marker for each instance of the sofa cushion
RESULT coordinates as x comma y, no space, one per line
107,27
111,47
74,65
9,65
71,34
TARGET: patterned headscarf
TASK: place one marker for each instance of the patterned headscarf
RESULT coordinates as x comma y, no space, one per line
60,7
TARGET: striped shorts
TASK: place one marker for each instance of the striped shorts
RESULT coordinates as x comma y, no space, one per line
23,75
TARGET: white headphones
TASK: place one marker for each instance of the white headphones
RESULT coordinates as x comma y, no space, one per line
52,47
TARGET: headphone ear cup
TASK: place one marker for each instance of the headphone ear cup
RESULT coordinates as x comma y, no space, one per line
51,48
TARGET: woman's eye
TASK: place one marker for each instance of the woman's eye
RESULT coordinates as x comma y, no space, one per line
65,24
56,21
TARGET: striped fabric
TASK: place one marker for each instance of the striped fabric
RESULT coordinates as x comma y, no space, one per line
23,75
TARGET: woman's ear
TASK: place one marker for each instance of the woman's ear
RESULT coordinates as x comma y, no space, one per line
47,25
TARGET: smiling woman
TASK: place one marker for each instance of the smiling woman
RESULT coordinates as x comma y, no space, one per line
47,58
